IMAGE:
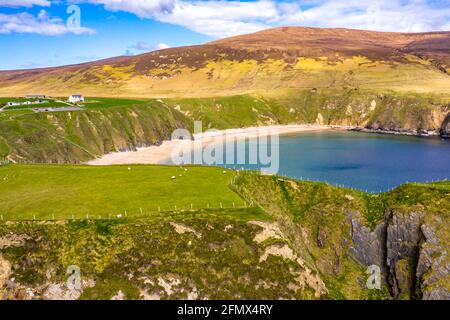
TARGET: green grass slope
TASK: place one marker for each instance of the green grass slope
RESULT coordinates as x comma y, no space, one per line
295,241
74,137
60,192
364,108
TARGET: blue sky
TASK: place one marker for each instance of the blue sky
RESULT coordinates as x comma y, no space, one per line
35,33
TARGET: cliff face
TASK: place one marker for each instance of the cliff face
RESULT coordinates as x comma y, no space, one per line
403,232
445,128
410,114
411,254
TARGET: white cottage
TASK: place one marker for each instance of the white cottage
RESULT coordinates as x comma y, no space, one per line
76,98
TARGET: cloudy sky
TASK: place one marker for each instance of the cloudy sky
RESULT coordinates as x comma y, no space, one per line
38,33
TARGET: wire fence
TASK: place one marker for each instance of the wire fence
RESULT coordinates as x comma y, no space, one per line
157,211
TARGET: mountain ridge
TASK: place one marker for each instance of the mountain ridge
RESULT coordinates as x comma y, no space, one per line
276,58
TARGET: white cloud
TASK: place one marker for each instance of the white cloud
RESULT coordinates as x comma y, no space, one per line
41,24
144,46
24,3
226,18
381,15
162,46
141,8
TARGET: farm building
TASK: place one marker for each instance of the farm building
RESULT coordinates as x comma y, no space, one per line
74,98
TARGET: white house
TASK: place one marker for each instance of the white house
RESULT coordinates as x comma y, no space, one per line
76,98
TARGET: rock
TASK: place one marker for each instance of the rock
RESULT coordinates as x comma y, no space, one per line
402,247
445,128
439,293
432,268
321,238
119,296
412,257
319,119
5,270
349,197
368,246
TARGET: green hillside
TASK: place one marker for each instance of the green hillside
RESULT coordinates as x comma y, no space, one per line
106,125
74,137
295,240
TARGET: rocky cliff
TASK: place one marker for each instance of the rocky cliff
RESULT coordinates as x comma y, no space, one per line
413,259
403,233
445,128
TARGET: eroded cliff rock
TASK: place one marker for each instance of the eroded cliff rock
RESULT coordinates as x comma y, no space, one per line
368,246
407,248
445,128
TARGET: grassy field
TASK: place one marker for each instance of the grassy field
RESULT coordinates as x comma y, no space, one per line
98,103
47,191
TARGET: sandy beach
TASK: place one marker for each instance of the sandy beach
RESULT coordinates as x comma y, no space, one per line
161,154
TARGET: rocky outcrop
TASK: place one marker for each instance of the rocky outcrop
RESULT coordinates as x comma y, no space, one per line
433,267
403,237
445,128
368,246
412,258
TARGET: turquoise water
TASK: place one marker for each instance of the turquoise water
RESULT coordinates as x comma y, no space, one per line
365,161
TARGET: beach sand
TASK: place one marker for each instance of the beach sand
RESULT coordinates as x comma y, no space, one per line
161,154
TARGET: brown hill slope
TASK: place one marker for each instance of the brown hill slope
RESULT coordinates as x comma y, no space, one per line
289,57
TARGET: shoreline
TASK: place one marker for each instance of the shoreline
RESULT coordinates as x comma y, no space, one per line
160,154
429,134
